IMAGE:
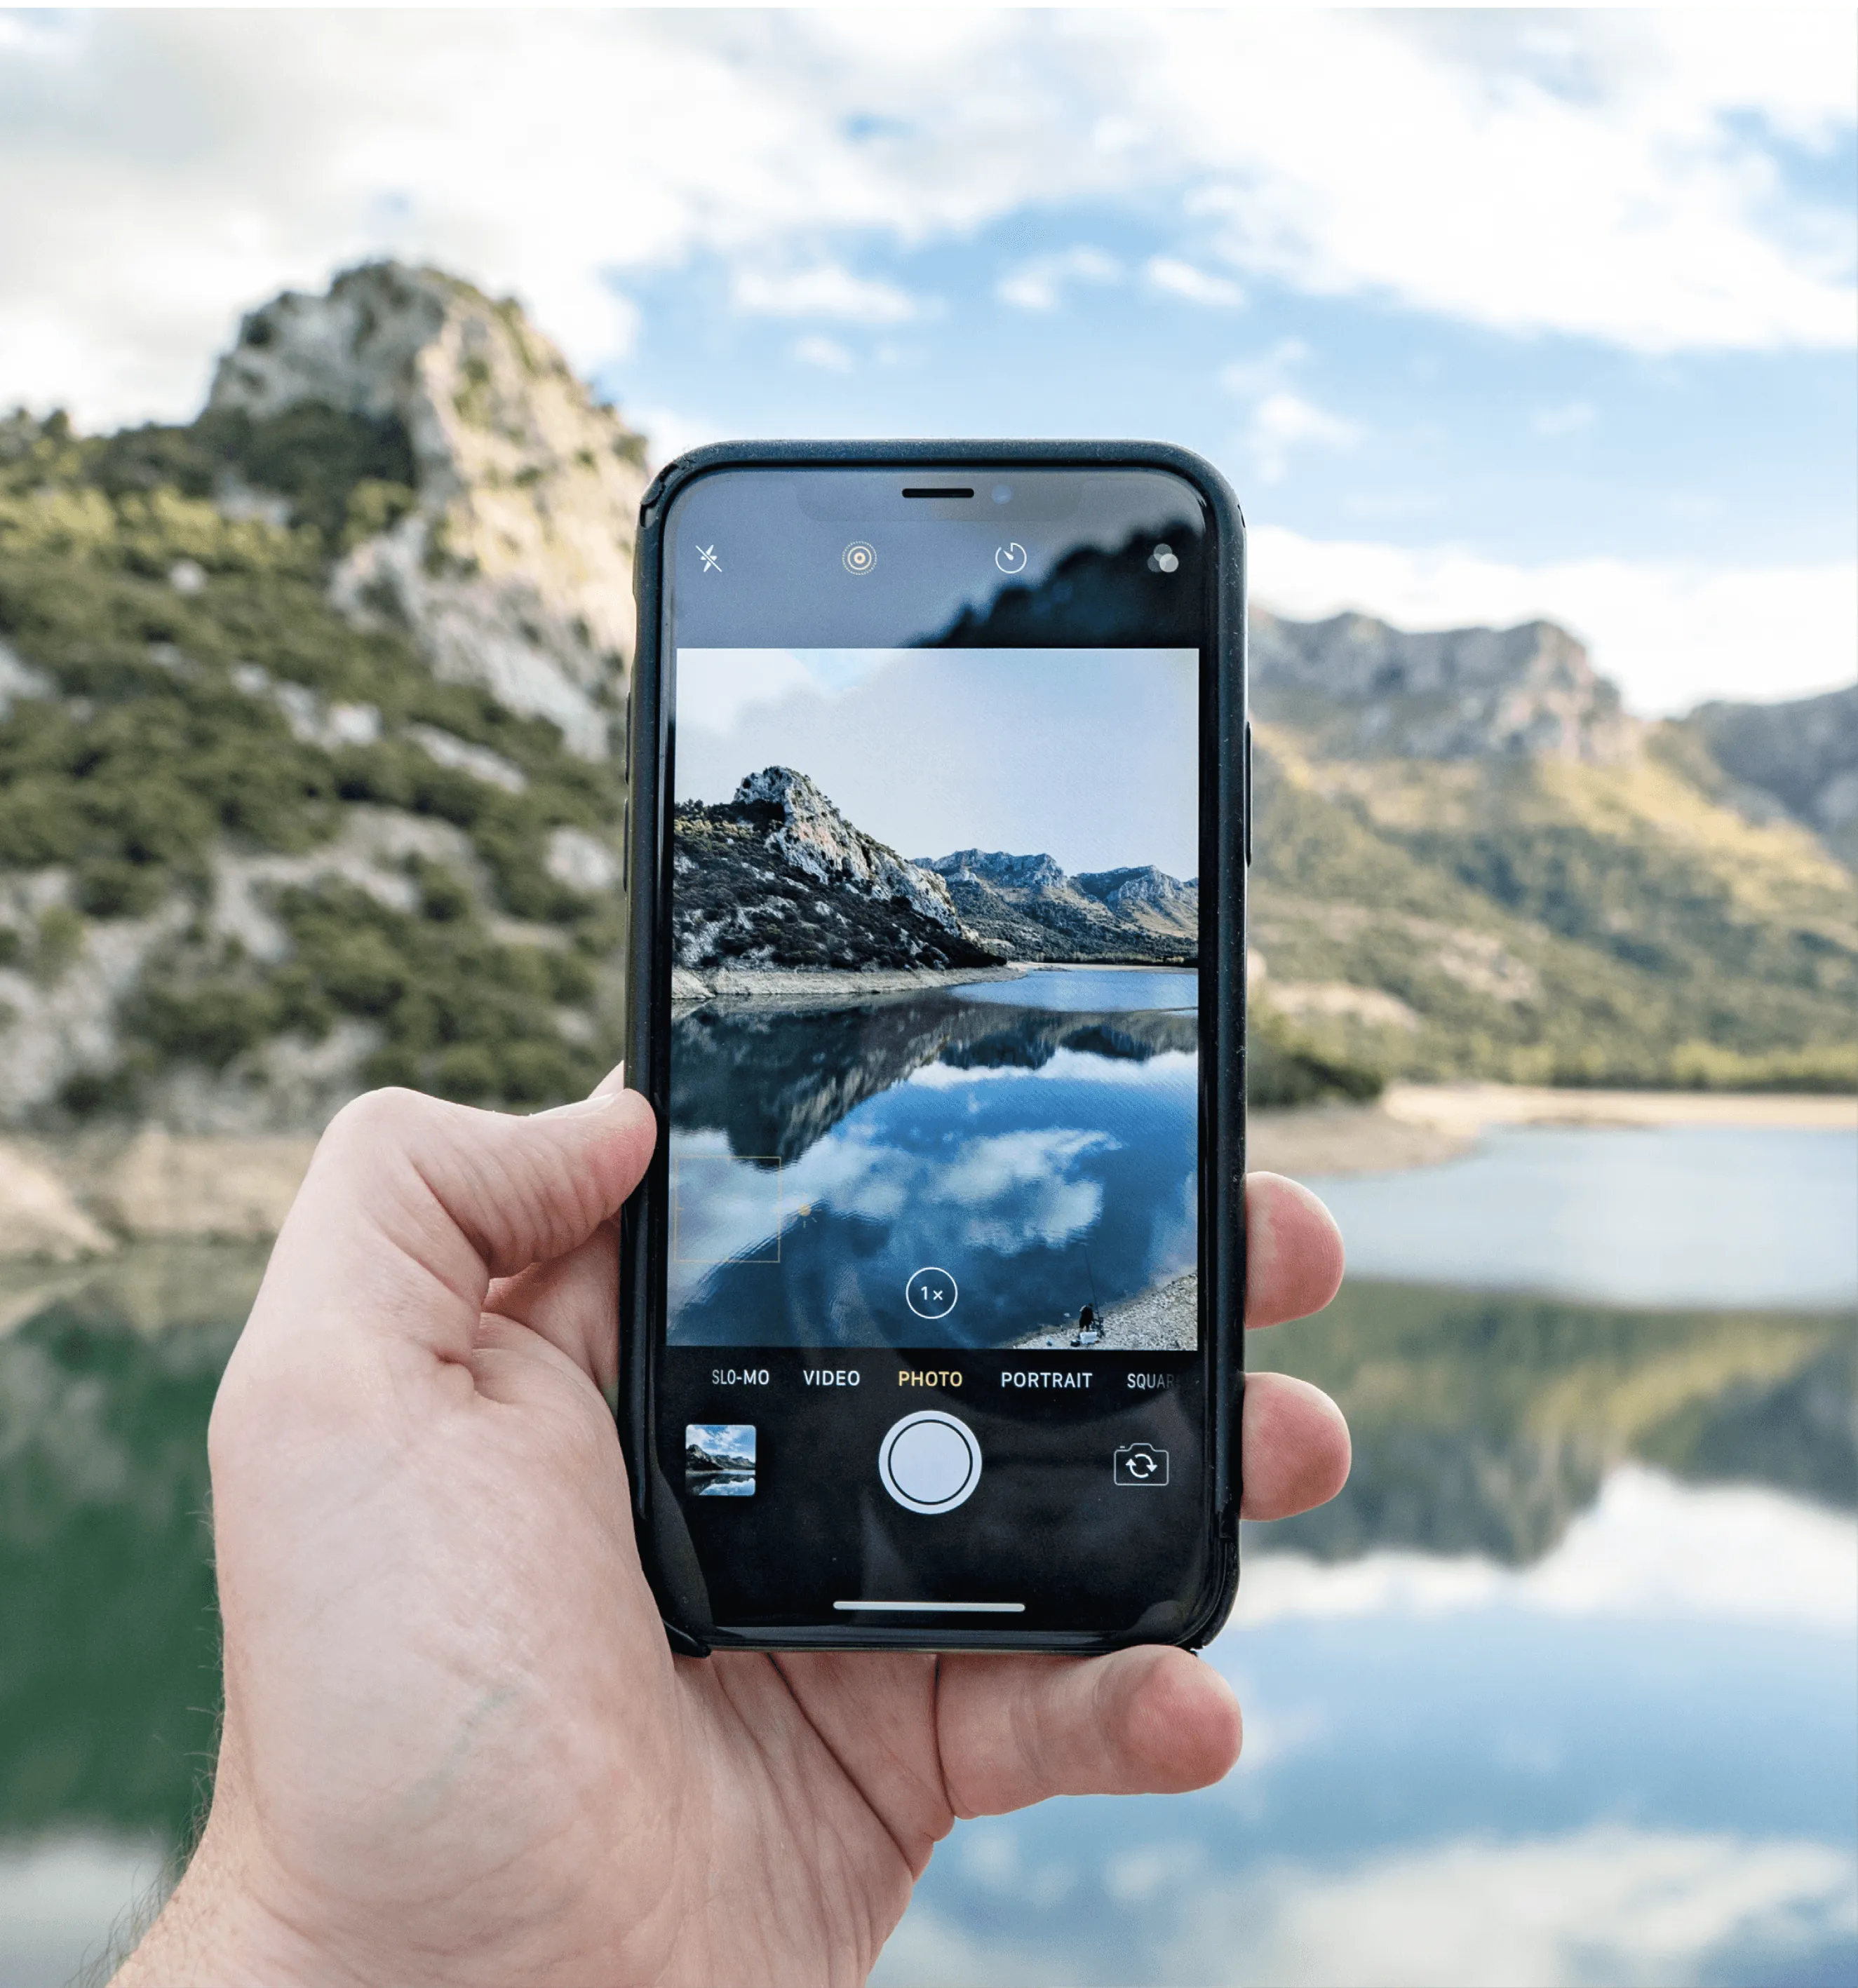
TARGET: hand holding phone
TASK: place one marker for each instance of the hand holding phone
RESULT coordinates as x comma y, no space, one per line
456,1747
936,969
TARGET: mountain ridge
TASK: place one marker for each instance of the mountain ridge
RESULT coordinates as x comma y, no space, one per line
1028,908
777,876
307,712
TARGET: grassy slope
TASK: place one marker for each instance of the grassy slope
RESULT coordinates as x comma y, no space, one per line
1549,922
1544,922
151,758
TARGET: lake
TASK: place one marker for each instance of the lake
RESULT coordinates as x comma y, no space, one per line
1558,1691
1034,1138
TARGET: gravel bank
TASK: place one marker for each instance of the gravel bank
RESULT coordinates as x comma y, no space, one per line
1165,1320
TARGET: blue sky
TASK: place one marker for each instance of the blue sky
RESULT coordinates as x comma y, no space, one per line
1083,755
1485,315
1533,447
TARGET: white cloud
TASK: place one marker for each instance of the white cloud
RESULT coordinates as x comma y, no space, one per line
1670,633
826,353
1039,285
1611,1906
1264,372
670,432
1648,1549
1629,200
1569,417
1602,1907
1194,285
163,170
1283,421
826,291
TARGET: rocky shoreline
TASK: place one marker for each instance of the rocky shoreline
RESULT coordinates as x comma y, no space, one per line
818,986
1164,1320
66,1202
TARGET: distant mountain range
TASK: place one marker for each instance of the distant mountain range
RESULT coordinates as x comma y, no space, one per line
1025,907
307,779
777,878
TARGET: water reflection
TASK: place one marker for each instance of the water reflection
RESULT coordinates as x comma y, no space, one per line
1042,1153
1652,1215
1559,1691
1484,1422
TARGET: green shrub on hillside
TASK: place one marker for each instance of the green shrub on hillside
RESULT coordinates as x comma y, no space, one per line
170,736
458,1012
1666,977
1284,1065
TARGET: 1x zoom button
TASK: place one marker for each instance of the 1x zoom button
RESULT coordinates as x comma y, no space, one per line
929,1462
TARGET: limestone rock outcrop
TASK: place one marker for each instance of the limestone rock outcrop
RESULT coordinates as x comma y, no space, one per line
512,566
1369,689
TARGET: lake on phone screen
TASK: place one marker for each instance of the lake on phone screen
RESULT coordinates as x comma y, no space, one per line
1033,1138
1559,1690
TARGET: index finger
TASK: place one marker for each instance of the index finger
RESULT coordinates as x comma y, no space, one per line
1293,1251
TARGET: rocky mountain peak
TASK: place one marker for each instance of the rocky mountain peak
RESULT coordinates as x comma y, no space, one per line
1804,753
1124,890
1372,690
815,837
511,559
995,865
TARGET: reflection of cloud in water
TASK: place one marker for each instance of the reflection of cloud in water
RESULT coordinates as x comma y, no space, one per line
1606,1905
1649,1548
1040,1176
1166,1069
729,1217
1004,1192
1601,1905
1013,1190
1170,1067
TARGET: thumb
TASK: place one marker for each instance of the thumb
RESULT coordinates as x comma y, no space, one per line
413,1205
1017,1729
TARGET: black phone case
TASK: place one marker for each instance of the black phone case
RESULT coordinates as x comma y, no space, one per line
669,1560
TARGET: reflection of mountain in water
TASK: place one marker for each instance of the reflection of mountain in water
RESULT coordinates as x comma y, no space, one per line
775,1081
1484,1423
1481,1423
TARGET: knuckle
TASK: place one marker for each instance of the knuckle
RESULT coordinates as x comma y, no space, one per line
378,1118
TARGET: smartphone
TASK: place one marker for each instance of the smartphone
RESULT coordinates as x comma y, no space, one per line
933,1299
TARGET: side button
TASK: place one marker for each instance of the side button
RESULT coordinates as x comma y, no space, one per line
1248,793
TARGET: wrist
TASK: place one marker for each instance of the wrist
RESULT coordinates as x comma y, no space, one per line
216,1932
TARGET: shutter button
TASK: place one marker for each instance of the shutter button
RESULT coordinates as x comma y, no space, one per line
929,1462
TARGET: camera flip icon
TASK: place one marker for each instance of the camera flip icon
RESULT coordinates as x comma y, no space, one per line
1140,1463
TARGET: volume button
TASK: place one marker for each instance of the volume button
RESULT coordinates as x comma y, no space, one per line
1248,793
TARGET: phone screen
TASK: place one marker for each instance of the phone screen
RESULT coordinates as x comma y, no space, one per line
931,1332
